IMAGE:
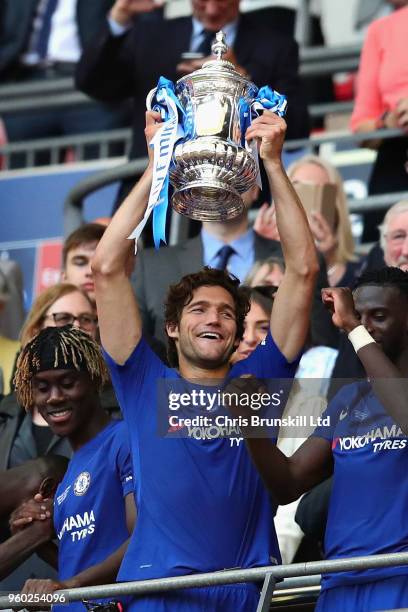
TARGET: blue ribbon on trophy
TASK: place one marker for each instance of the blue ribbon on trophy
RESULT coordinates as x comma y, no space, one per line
178,124
266,99
164,100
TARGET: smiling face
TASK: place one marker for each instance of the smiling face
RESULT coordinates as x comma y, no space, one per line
66,399
396,241
78,268
384,313
206,334
256,327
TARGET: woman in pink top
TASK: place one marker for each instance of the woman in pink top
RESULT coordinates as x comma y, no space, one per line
382,97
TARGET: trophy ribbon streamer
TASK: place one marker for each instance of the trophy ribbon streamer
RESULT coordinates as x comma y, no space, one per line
267,99
163,100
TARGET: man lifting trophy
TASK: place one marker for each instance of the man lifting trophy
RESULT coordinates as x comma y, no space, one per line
201,130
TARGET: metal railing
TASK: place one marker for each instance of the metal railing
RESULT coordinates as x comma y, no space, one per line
73,205
317,54
268,575
102,140
320,110
57,93
36,88
55,146
342,138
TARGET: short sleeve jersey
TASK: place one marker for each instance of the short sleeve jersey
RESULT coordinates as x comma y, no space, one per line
201,504
367,511
89,498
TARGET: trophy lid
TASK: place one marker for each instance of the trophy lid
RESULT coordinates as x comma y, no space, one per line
217,67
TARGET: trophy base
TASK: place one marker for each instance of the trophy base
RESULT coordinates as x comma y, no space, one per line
216,202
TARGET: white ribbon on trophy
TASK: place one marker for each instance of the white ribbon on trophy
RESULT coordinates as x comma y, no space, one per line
163,144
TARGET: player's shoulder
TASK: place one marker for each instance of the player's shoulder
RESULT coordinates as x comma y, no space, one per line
117,440
349,395
119,430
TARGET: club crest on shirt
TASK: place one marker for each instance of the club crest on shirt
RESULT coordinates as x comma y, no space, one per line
81,484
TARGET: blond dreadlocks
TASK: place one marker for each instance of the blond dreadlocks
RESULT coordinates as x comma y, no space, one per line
57,348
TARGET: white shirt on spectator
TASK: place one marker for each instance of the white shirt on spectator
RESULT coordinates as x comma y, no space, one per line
63,44
307,399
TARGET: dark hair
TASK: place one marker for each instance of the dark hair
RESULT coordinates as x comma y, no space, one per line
57,348
181,294
90,232
385,277
262,295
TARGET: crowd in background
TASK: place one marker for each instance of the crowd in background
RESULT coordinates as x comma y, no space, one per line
112,49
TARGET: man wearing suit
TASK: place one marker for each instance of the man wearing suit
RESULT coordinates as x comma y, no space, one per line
17,19
132,50
43,39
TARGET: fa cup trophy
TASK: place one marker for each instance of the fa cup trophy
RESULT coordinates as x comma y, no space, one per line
201,147
211,166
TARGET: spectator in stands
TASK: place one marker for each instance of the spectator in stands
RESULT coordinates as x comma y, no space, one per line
215,484
8,347
256,324
269,271
13,313
126,58
60,372
382,102
62,304
77,253
17,485
364,514
42,40
392,249
337,247
394,234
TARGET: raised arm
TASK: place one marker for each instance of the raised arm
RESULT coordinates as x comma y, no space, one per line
287,478
119,319
107,67
290,318
388,381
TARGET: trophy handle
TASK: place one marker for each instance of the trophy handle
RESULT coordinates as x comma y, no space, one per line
149,98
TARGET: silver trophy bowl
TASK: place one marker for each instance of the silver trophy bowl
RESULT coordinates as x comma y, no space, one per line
210,168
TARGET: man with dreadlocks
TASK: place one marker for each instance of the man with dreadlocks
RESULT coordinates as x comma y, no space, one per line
60,372
201,505
365,445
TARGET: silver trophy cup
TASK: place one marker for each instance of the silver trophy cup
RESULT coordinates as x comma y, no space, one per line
210,168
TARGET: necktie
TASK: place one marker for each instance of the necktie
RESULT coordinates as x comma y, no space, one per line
205,45
44,31
223,256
